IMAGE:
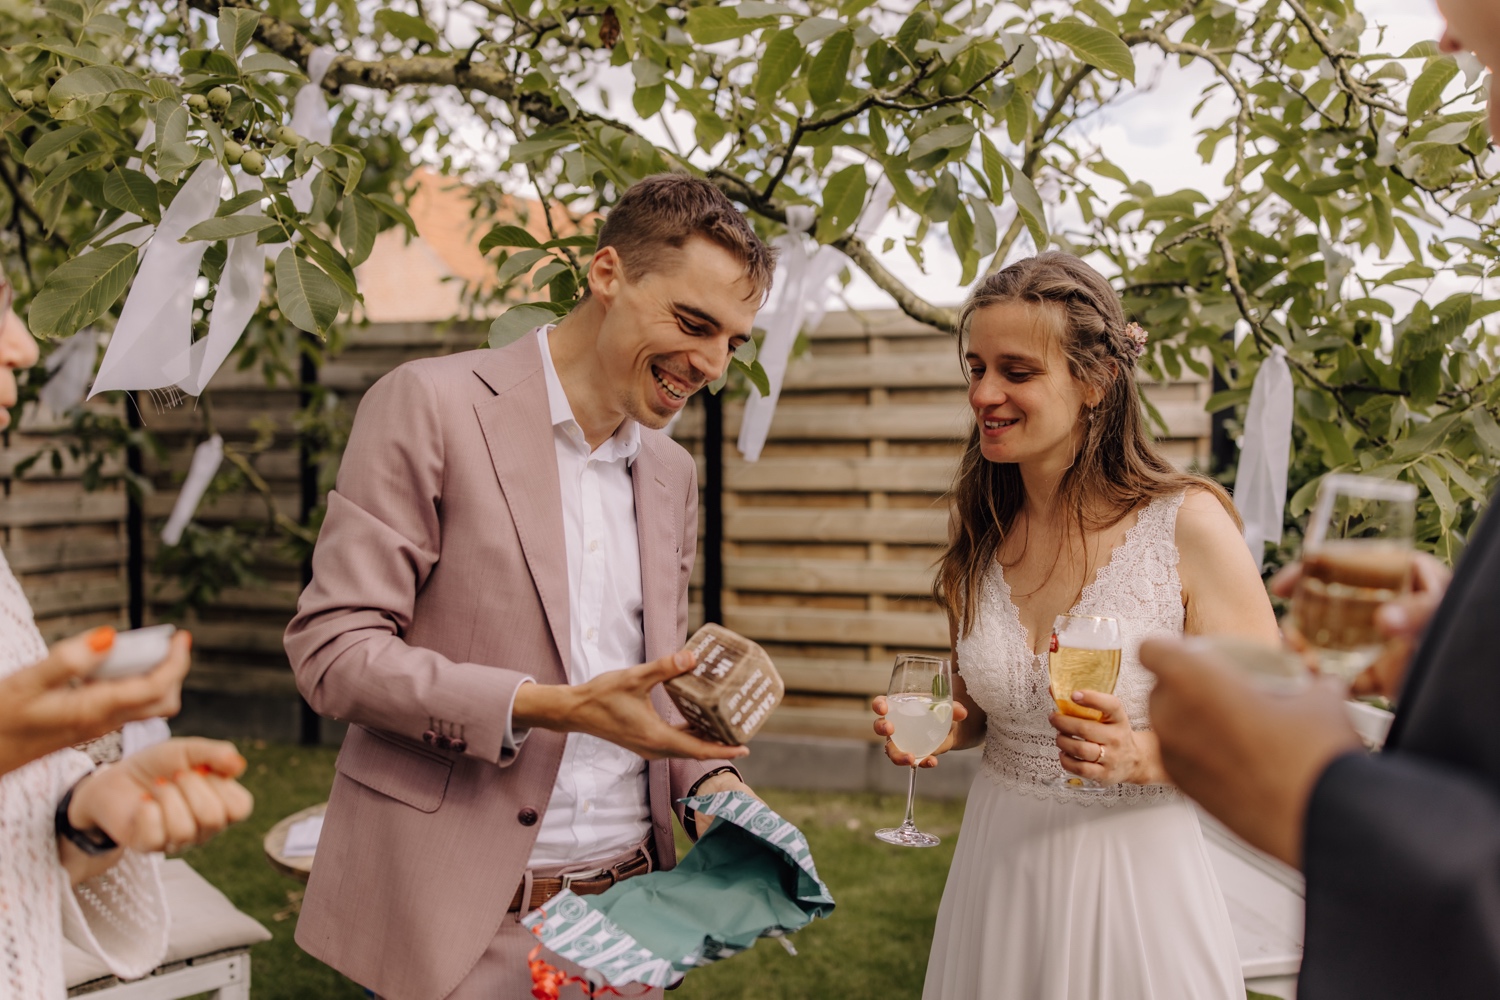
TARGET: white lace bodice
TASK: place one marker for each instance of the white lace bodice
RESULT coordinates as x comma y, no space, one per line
1139,586
120,916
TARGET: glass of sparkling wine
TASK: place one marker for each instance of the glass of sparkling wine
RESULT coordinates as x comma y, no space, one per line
1357,556
921,712
1084,656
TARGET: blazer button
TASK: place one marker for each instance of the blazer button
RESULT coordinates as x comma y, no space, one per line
460,745
429,737
444,741
527,816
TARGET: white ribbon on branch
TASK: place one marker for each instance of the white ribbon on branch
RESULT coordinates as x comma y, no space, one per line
1265,454
69,368
152,346
310,120
799,298
206,459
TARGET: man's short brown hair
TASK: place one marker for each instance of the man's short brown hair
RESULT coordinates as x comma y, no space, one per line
662,212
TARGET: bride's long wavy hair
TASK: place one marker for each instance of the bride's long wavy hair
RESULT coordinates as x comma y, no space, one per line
1117,467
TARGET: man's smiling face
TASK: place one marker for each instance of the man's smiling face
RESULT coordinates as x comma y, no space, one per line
670,332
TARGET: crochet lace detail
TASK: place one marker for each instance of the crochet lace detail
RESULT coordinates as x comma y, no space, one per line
1139,586
119,916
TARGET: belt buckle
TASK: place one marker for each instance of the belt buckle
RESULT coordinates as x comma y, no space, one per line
571,877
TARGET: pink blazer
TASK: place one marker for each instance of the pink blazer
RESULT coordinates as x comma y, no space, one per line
439,582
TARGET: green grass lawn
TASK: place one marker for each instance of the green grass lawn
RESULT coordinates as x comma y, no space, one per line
874,944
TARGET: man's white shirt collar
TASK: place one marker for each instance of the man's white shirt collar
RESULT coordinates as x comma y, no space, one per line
624,443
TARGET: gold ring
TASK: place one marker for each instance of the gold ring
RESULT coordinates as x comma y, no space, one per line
1100,758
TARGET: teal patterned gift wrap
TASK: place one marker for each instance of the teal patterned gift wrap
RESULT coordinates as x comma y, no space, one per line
751,875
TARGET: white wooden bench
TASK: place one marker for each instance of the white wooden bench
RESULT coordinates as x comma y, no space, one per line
208,949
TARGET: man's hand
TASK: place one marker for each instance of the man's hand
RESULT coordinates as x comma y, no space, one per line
1402,622
883,727
52,704
164,798
724,781
1251,759
616,706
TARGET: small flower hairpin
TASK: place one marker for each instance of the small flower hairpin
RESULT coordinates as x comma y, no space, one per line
1135,339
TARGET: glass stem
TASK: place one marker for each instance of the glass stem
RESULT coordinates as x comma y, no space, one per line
911,794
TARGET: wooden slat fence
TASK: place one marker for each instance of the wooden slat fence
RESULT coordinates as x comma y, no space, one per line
829,538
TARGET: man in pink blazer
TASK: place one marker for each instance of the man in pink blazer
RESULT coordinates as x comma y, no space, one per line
510,538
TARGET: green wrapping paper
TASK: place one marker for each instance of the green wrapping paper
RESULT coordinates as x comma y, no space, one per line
750,875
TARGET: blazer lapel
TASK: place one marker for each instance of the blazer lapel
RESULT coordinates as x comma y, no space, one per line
517,428
658,520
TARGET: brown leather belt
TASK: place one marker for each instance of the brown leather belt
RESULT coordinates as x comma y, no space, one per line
588,883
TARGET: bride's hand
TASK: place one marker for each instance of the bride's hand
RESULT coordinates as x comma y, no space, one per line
1108,751
884,728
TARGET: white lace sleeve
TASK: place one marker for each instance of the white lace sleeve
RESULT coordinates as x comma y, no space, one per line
120,916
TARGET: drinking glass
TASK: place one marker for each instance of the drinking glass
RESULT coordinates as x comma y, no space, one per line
1084,656
1357,556
920,712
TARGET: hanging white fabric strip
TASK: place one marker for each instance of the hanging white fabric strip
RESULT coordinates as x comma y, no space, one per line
235,300
310,121
149,348
69,368
1265,454
206,459
799,298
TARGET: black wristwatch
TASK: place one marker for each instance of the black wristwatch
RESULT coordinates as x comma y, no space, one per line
99,843
690,818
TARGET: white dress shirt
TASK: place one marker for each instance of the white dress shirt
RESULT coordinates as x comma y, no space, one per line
599,806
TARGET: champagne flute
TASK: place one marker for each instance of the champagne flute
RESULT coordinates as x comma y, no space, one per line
1084,656
920,712
1357,556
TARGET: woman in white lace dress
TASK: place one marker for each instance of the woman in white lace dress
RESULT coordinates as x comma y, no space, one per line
1062,503
78,845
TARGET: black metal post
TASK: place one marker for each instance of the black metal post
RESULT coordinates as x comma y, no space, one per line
310,726
135,521
713,508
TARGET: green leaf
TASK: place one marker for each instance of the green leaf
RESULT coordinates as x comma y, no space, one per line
227,227
236,28
830,68
1436,486
1030,204
270,62
80,92
132,191
755,373
1486,428
51,142
1095,46
240,201
647,101
843,199
709,24
81,290
519,321
65,170
406,26
995,167
544,274
519,263
955,136
1407,272
173,152
508,236
391,207
777,65
357,228
306,296
1427,89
